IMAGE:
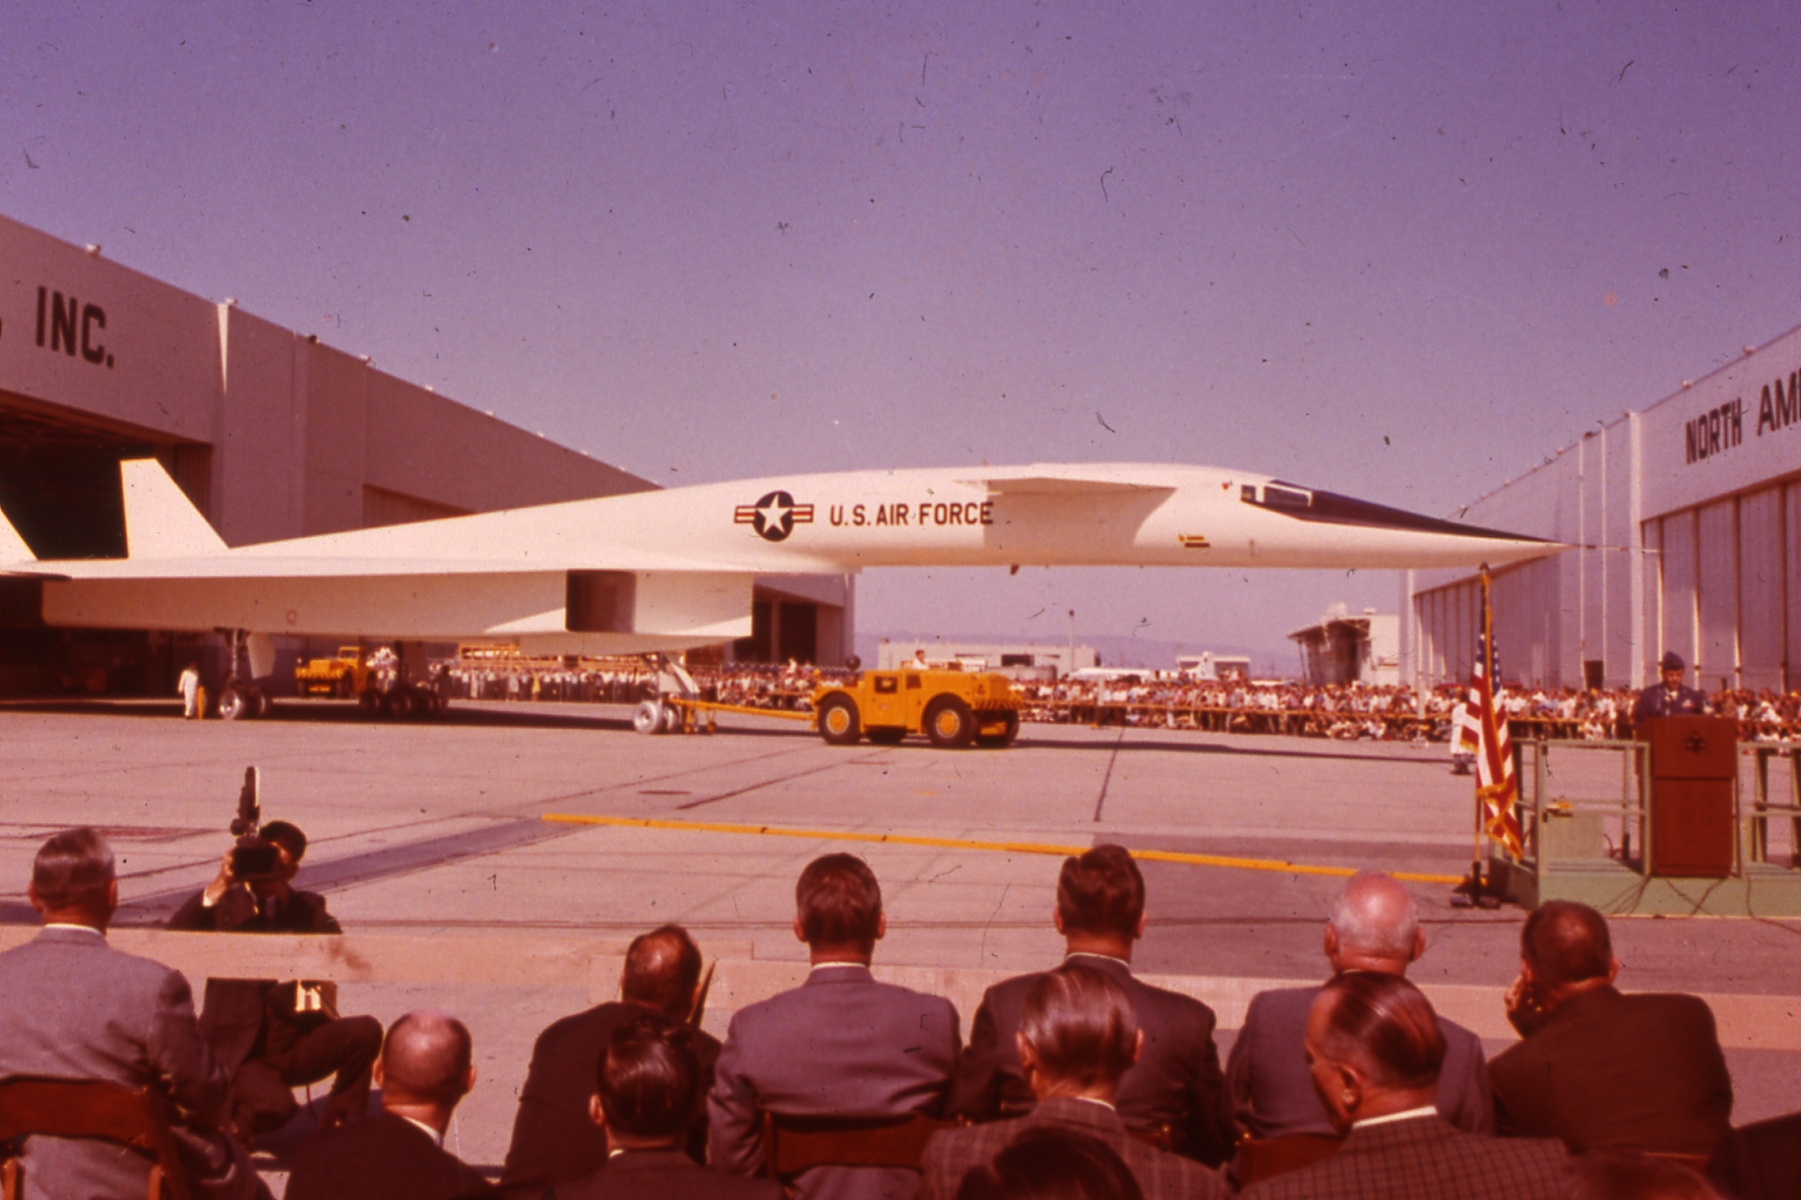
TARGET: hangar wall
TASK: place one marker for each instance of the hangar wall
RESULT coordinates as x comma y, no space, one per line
283,436
1685,520
271,433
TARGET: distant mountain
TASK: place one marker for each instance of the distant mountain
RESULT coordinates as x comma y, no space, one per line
1266,662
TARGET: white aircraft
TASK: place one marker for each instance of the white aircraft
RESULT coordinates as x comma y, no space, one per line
662,571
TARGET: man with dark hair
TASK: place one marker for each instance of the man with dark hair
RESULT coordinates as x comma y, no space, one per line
554,1141
1374,1048
1374,926
839,1045
1599,1069
272,1036
71,1007
1176,1084
1669,697
1077,1038
648,1083
427,1066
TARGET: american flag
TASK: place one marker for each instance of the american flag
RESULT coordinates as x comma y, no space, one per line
1484,734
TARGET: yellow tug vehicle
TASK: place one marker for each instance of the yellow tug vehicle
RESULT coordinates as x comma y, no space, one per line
952,709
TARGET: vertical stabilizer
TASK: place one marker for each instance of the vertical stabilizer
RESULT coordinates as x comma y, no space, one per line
160,521
12,547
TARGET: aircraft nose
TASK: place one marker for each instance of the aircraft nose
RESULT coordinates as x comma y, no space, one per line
1311,504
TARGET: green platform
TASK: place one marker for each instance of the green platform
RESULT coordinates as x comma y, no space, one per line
1584,813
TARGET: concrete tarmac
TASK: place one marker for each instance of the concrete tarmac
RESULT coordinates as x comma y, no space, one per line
435,827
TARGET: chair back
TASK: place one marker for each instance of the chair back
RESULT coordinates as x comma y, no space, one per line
89,1108
1258,1161
794,1144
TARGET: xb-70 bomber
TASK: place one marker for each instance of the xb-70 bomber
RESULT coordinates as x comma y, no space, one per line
663,571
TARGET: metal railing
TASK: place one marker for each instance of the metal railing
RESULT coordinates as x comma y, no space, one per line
1629,805
1628,809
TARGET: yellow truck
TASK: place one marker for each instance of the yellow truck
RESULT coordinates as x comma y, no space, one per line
345,676
952,708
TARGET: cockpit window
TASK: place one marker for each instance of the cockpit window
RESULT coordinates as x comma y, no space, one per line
1281,497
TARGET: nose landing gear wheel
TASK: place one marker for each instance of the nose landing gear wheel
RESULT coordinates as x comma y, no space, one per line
648,718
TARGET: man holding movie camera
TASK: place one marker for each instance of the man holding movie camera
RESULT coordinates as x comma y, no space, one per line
270,1036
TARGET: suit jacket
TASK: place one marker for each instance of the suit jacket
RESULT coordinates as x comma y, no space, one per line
383,1157
1654,701
554,1141
951,1153
1423,1158
1176,1081
236,1009
665,1175
1272,1090
72,1007
841,1044
1609,1071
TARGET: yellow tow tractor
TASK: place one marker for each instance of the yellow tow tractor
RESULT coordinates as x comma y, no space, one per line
345,676
952,708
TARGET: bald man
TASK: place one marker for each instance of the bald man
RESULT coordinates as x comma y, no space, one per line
426,1067
554,1141
1374,927
1374,1049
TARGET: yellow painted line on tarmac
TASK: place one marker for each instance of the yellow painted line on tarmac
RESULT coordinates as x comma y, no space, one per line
903,839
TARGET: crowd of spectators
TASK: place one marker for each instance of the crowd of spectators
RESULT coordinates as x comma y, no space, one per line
1380,713
1078,1082
1351,712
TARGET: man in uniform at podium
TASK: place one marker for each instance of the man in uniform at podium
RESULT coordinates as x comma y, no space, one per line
1669,698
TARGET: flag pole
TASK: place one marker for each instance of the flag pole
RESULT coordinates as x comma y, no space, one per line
1488,677
1469,892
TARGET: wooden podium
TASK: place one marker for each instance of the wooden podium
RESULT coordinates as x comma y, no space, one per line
1694,771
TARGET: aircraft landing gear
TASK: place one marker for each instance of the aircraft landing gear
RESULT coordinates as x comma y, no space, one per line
252,656
657,715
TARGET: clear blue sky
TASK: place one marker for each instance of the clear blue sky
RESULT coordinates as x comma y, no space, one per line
1403,251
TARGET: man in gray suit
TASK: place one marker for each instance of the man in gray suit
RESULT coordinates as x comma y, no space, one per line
1374,927
71,1007
1077,1036
839,1045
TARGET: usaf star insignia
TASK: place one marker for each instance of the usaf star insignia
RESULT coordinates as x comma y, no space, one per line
774,516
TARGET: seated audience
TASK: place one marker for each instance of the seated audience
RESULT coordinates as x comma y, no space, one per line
1375,927
1374,1048
71,1007
274,1036
1628,1175
426,1067
1077,1038
1599,1069
649,1081
553,1139
841,1044
1052,1164
1176,1084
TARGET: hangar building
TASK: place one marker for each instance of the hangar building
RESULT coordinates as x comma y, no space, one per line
271,434
1687,519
